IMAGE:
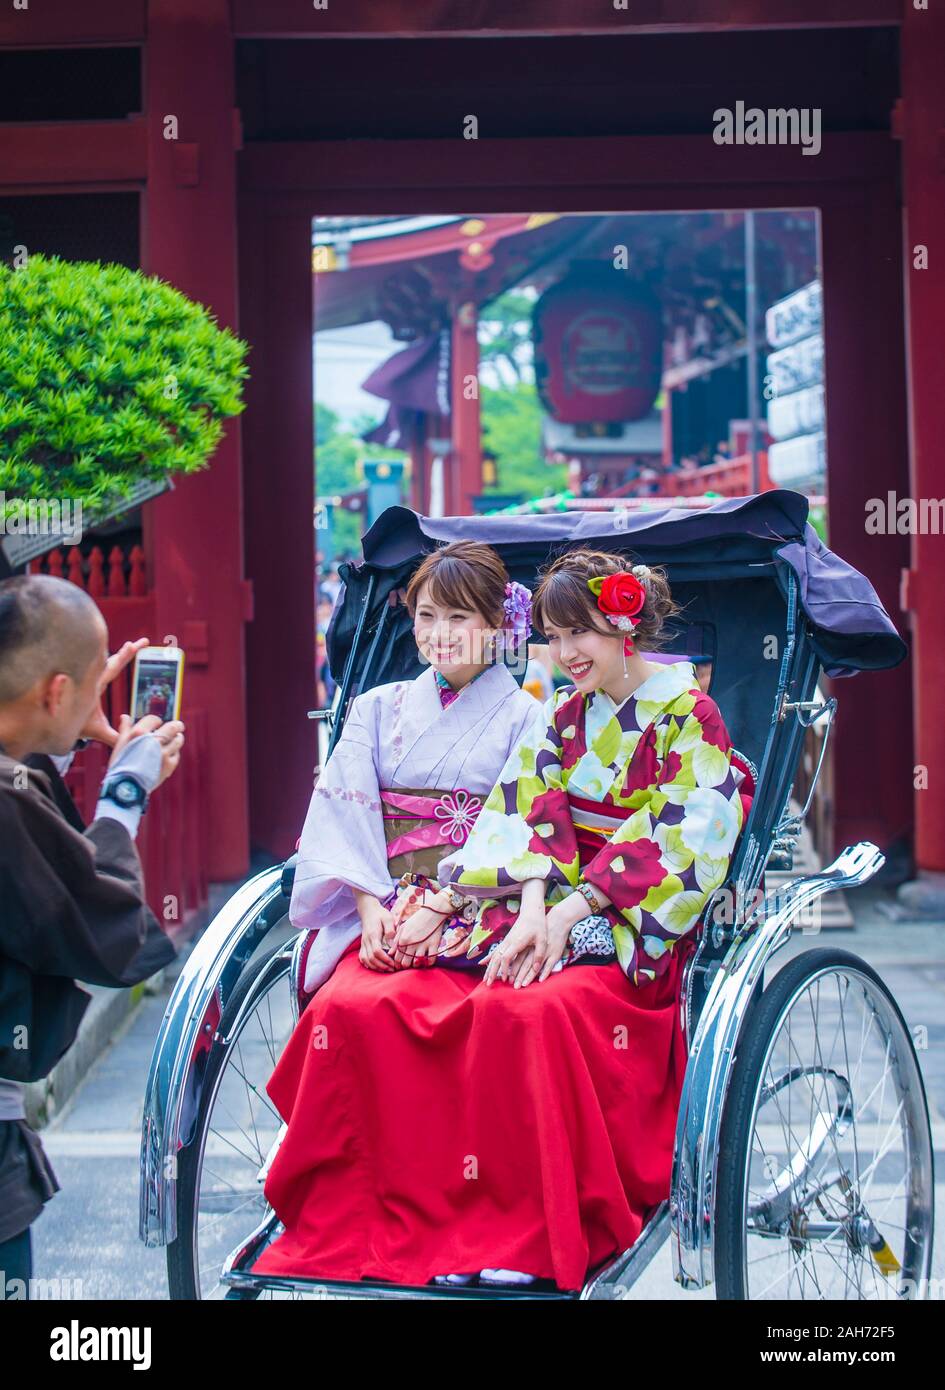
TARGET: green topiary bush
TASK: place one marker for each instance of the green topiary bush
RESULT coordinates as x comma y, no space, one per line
108,378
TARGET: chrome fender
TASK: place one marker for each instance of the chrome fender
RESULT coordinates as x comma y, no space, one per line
187,1032
709,1070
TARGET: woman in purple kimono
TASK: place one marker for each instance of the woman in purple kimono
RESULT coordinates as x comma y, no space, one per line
414,763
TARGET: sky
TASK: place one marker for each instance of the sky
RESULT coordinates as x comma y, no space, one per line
344,357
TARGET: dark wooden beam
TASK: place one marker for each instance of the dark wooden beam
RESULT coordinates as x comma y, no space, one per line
628,84
371,175
62,23
73,152
405,18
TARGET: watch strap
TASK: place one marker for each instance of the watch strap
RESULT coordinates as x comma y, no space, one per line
108,791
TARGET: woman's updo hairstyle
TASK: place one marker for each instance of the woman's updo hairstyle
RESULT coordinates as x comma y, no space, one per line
563,598
463,574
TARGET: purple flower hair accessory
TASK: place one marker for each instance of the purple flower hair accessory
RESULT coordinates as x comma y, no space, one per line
518,612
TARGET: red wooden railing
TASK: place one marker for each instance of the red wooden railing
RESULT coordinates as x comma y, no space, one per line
731,478
125,578
172,837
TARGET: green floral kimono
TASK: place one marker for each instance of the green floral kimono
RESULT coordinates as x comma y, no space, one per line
639,799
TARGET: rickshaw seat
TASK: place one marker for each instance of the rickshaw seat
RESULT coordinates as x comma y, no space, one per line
747,787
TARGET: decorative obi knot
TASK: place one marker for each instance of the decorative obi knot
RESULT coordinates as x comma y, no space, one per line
449,816
458,812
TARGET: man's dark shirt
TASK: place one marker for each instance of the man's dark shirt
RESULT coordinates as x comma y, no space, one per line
72,907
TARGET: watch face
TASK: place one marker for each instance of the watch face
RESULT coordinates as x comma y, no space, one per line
127,793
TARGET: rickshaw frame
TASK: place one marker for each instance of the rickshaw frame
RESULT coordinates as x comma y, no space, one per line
723,975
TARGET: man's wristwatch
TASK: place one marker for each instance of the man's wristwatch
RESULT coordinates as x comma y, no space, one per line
126,791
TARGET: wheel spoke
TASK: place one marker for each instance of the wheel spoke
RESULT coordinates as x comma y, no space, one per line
239,1128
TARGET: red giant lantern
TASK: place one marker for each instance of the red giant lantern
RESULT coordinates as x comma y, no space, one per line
598,347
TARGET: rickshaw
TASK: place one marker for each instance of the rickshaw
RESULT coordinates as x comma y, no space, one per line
803,1164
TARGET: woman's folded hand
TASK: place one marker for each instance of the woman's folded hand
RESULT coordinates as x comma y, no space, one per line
561,918
418,938
522,952
377,931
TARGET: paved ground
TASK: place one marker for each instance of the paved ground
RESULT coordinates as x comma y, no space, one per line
89,1232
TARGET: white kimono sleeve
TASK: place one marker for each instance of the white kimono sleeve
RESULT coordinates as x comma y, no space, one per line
343,844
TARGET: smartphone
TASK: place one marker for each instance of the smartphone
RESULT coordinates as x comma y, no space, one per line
157,683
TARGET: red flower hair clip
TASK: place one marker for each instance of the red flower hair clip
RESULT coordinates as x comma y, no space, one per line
621,597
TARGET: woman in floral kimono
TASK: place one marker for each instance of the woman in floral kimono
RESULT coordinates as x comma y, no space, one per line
628,805
523,1117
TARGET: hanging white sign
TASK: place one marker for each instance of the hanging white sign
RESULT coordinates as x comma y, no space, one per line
796,316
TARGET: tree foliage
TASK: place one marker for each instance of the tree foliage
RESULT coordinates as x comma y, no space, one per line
108,378
505,336
511,428
339,451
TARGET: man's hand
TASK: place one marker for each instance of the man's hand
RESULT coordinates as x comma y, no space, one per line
98,726
170,736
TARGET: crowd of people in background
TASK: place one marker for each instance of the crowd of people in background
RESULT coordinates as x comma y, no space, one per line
328,585
688,463
648,475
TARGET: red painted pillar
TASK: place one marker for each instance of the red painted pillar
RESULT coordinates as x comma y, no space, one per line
922,127
466,458
194,534
276,318
866,455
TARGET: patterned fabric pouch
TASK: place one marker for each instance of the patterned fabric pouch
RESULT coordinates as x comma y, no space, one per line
590,939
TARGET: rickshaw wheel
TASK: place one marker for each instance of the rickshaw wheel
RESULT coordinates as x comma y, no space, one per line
825,1169
219,1192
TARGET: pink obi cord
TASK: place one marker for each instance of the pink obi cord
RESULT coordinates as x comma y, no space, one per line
450,816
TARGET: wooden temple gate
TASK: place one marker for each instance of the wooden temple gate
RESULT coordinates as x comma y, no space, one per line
284,112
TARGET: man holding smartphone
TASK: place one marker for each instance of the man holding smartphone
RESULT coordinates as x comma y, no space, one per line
72,903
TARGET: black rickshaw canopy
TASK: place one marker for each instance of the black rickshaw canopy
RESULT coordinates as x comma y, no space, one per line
710,549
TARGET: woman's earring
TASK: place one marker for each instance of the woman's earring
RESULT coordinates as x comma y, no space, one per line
627,651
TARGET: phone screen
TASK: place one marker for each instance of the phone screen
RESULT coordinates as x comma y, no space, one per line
156,688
